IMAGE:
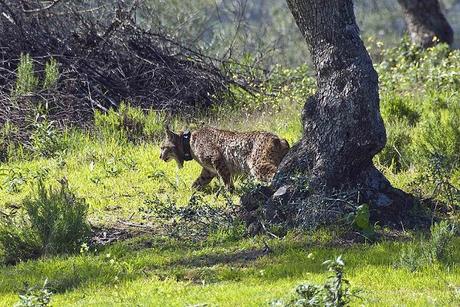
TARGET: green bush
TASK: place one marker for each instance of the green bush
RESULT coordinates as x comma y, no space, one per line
53,222
420,94
395,155
436,140
7,140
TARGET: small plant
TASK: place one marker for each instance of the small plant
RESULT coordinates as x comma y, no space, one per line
26,81
440,246
35,296
8,132
45,138
335,291
51,73
14,181
53,222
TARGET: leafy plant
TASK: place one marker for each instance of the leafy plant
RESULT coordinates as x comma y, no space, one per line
46,140
14,181
35,296
335,291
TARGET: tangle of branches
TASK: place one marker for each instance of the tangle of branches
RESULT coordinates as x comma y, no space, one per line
104,58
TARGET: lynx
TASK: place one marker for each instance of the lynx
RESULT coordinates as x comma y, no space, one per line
226,153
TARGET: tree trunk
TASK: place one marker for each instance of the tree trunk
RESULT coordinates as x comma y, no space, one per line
426,23
343,128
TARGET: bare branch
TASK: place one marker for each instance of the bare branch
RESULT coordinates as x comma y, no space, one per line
38,10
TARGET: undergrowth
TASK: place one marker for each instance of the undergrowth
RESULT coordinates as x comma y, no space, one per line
53,221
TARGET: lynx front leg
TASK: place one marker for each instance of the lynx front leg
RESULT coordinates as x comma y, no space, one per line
205,177
224,173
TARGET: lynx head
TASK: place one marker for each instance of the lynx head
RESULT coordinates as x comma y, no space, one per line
171,148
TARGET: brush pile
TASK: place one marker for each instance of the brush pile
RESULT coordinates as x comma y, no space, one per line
103,59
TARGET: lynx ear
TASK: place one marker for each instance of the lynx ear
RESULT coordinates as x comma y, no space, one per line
168,131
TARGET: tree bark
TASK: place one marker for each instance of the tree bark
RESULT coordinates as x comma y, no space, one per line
342,126
426,23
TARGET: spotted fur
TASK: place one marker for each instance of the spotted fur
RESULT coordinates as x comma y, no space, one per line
226,154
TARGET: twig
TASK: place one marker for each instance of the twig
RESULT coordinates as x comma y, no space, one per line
38,10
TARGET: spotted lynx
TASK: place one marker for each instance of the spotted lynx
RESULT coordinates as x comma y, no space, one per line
225,153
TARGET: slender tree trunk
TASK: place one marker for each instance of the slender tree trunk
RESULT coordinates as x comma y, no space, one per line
343,129
426,23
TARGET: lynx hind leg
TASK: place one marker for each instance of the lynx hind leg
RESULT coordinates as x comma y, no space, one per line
204,179
265,162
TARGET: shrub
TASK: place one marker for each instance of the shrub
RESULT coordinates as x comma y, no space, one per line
436,139
395,155
53,222
438,249
440,246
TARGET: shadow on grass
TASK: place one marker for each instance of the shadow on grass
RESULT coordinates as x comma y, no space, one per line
137,259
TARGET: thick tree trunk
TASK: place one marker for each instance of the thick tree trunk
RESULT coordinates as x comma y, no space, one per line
426,23
343,128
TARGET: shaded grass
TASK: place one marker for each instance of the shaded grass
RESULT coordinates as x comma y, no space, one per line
232,273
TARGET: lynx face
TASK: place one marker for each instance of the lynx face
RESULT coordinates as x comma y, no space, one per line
170,149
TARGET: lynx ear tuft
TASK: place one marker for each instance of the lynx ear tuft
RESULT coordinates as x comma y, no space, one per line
168,131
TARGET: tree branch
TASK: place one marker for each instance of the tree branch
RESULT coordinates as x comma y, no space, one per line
49,6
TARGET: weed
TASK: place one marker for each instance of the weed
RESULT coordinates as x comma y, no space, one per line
14,181
35,296
440,246
130,123
334,292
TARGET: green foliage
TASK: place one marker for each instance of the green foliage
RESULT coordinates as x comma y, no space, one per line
420,94
130,123
26,81
51,74
46,140
438,249
334,292
7,140
34,296
54,222
436,140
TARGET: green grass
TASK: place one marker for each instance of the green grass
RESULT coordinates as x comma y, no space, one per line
118,177
227,274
